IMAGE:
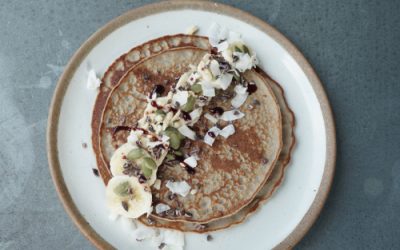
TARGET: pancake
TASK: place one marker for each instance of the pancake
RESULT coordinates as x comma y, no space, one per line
120,67
230,172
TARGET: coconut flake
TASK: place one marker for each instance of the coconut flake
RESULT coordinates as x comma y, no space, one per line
232,115
134,136
179,187
182,80
164,139
227,131
161,207
240,89
180,97
195,115
239,99
157,184
244,63
93,82
213,33
225,80
234,37
149,210
209,139
192,30
222,46
211,118
186,131
214,68
153,144
193,77
208,90
191,161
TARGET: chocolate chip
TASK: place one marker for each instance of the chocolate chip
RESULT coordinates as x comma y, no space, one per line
161,246
146,76
125,205
172,196
251,88
190,170
151,129
84,145
265,161
95,172
150,221
203,98
142,179
217,110
209,238
236,112
211,134
170,213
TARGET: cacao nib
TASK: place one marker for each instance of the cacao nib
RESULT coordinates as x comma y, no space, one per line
95,172
217,110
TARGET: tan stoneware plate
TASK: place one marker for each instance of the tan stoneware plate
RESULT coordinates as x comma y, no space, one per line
282,221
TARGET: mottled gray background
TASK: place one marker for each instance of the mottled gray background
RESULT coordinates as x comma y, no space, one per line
353,45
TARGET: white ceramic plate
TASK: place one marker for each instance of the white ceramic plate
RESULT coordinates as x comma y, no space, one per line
284,219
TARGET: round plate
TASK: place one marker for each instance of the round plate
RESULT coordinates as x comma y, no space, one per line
282,221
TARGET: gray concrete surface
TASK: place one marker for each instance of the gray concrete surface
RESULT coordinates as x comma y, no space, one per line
353,45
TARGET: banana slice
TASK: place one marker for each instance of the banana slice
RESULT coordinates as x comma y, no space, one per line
120,158
127,197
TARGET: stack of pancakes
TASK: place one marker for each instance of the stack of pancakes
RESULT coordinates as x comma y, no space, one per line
235,175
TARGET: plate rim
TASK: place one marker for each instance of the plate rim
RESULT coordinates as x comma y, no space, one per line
55,107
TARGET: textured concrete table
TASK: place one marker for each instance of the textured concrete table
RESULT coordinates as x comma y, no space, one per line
353,45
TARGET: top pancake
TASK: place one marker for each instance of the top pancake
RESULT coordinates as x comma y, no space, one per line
231,172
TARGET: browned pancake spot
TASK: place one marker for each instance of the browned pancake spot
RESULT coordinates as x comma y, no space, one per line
243,141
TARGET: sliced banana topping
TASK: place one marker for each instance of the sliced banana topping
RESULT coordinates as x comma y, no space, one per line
131,160
127,197
119,158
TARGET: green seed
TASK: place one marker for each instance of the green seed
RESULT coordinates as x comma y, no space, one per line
174,141
135,154
189,106
237,49
122,189
160,112
149,163
171,130
178,153
170,157
147,172
246,49
196,88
